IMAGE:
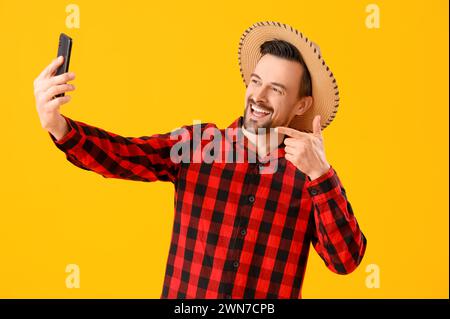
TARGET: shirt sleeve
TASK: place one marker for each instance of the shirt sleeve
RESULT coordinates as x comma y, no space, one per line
336,235
145,158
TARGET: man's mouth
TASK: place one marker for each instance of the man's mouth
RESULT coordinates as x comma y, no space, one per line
258,112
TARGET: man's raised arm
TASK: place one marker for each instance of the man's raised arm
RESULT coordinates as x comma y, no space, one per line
91,148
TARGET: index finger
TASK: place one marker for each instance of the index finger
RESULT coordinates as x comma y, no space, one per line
290,132
51,68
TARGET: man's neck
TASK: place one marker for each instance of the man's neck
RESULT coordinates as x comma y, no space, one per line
263,143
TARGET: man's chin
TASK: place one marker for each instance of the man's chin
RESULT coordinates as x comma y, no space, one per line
253,126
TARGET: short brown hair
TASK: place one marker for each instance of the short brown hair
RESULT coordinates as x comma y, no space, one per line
286,50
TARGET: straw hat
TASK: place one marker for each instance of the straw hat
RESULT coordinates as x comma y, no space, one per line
324,88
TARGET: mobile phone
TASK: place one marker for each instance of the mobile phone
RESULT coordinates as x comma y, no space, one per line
64,49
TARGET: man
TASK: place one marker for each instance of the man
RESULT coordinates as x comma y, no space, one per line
240,230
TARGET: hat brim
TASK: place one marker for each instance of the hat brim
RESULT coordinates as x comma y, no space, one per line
324,87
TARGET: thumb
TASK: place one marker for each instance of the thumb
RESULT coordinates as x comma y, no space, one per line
317,130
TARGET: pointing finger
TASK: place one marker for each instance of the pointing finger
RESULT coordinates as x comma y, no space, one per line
291,141
290,132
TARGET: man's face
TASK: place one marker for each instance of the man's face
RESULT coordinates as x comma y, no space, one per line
272,94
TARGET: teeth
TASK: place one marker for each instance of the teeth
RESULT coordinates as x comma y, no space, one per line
257,109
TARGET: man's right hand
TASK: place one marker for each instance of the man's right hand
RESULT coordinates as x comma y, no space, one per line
46,86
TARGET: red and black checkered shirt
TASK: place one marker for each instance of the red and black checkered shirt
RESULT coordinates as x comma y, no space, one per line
238,232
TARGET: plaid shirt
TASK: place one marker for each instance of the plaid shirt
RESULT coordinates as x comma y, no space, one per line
238,232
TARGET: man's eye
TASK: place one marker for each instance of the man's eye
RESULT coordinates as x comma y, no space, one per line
276,90
254,81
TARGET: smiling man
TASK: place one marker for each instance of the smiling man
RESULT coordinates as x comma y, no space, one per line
240,230
288,87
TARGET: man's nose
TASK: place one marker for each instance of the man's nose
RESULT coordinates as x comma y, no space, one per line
260,94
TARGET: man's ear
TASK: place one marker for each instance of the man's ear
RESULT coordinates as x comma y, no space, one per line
303,105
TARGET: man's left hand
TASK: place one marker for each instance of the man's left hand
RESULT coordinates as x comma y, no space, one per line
306,150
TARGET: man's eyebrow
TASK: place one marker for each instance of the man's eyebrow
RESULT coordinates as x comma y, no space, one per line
273,83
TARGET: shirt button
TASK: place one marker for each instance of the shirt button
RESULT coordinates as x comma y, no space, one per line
243,232
314,191
236,264
251,198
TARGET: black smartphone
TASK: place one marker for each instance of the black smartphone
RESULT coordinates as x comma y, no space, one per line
64,49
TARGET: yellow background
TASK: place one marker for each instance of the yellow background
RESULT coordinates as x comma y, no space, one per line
146,67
